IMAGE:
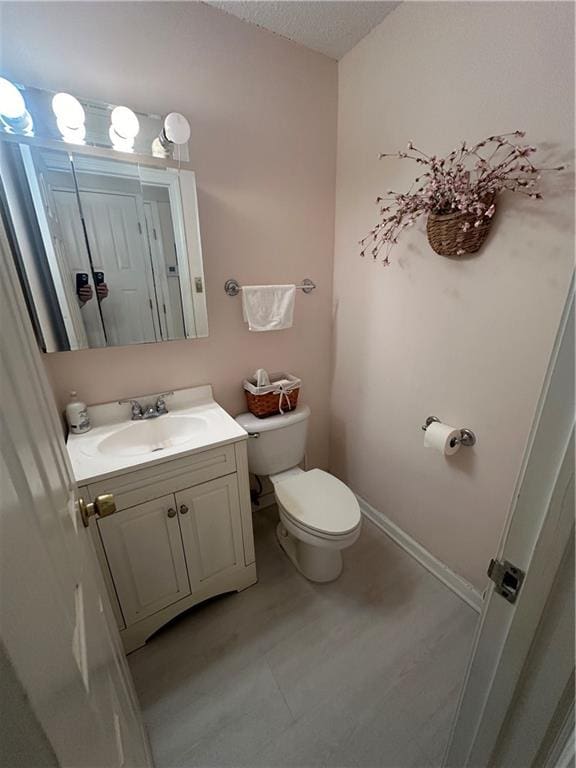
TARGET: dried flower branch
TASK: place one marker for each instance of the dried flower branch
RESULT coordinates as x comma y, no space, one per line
467,181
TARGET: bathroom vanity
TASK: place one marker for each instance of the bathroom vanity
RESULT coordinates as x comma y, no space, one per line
181,531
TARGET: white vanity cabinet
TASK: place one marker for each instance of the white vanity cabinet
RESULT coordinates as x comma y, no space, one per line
182,534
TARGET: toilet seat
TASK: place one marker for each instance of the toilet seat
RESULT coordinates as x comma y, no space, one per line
319,503
340,541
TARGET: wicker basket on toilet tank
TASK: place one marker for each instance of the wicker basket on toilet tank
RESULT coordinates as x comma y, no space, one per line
280,396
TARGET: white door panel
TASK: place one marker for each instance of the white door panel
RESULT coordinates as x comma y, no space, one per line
118,248
54,625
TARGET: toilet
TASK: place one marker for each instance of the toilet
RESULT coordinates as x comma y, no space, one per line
319,514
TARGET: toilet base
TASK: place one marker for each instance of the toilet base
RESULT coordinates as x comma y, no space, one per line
320,564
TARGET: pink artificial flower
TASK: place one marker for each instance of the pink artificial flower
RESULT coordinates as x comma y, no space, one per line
460,181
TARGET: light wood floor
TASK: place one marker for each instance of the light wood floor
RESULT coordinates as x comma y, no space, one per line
361,672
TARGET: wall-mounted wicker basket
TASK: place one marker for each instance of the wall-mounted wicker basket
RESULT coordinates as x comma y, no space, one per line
447,238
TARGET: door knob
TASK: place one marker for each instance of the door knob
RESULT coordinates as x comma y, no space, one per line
171,512
102,506
183,509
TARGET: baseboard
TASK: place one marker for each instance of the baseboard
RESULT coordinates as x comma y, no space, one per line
456,583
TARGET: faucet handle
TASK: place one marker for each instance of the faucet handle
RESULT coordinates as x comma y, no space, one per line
136,409
161,406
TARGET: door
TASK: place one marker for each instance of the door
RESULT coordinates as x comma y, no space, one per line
56,626
118,247
211,528
75,255
536,538
144,550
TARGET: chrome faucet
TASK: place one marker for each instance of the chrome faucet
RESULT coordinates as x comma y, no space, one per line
150,411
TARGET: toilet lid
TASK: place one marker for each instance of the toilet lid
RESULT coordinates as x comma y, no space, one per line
319,501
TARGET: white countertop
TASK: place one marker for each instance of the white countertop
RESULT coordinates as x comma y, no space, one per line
91,462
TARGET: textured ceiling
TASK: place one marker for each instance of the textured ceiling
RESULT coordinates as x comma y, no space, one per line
331,28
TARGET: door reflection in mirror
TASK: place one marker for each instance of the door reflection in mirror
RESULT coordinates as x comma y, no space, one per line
112,211
116,247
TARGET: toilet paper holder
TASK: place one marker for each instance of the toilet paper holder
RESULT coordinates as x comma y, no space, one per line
467,437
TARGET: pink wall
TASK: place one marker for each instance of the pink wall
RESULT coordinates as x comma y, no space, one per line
468,340
263,116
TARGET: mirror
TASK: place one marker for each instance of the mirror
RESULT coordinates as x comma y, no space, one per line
109,250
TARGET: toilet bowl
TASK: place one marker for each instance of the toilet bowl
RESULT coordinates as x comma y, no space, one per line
319,514
319,517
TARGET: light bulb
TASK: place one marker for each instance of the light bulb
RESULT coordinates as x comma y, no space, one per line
72,135
125,123
119,142
13,113
176,128
69,112
12,104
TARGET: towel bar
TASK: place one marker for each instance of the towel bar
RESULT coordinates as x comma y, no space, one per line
233,287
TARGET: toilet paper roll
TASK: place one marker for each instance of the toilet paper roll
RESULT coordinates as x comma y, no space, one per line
442,437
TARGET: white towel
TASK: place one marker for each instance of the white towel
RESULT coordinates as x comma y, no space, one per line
268,307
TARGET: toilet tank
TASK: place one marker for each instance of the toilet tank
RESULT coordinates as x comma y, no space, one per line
281,440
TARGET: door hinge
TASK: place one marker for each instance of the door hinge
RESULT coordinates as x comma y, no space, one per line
507,578
139,228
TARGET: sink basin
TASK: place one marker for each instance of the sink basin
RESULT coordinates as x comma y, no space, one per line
116,445
142,437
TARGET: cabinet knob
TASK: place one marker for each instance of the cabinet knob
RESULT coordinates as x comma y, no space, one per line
171,512
183,509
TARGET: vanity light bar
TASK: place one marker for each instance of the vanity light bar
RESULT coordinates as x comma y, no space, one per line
61,116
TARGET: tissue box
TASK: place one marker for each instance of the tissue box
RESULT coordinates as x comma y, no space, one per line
280,396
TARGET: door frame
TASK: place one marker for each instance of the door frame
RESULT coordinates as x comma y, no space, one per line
157,256
537,530
69,307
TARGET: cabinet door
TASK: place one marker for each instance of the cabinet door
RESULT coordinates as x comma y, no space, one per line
211,528
144,549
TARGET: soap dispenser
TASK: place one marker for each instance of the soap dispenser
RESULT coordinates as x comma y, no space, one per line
77,415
